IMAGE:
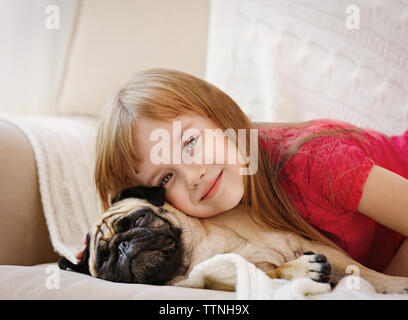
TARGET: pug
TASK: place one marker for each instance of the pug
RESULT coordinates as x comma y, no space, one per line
143,239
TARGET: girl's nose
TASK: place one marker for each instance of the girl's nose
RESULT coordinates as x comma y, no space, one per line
196,176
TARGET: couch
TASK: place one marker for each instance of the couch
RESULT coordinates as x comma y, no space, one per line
35,227
28,268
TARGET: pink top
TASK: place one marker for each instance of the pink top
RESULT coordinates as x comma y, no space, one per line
335,168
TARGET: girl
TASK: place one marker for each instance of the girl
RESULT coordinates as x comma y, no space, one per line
326,180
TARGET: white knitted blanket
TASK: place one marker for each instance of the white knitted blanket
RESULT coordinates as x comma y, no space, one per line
231,270
250,283
64,153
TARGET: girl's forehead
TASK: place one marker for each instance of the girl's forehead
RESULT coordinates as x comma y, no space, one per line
145,126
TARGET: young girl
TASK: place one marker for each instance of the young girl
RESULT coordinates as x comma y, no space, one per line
326,180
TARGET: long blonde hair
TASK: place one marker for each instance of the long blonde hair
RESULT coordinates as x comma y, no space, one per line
162,94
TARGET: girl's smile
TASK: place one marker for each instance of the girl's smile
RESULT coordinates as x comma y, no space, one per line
212,187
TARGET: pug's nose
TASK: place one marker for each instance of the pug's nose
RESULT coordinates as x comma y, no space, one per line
123,247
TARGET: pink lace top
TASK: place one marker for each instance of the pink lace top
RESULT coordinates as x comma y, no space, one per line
325,179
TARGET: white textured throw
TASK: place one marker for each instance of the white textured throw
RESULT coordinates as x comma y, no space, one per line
231,270
64,153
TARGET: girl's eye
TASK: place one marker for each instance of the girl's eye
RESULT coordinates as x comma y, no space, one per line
166,179
191,143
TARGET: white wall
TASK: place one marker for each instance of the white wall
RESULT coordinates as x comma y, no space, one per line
32,55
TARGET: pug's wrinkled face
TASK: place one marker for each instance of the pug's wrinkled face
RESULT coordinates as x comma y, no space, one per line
134,241
139,247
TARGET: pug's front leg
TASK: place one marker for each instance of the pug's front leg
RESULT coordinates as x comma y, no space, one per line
309,265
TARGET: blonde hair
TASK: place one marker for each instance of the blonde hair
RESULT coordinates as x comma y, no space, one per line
162,94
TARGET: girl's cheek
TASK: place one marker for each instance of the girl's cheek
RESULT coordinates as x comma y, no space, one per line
176,197
230,152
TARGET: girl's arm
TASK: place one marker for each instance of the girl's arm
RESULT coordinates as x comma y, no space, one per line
385,199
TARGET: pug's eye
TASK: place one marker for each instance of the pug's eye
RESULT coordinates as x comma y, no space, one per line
139,220
122,225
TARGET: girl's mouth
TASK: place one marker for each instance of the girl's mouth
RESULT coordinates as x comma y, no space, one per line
212,187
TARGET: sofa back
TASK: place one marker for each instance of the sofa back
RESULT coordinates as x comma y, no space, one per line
114,39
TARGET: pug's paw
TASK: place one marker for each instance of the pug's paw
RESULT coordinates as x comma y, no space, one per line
309,265
319,269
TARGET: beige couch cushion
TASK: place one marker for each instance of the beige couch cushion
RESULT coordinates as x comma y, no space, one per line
24,238
48,282
112,40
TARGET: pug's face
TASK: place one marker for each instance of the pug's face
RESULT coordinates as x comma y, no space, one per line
133,242
138,246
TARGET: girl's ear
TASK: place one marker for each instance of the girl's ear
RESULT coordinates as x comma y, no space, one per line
154,195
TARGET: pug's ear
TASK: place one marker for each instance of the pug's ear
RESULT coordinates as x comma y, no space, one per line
154,195
82,266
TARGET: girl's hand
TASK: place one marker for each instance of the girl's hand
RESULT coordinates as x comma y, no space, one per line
80,254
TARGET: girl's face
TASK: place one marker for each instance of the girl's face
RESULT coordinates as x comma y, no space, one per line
197,189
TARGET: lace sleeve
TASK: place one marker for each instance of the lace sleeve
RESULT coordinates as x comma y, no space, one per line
329,172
